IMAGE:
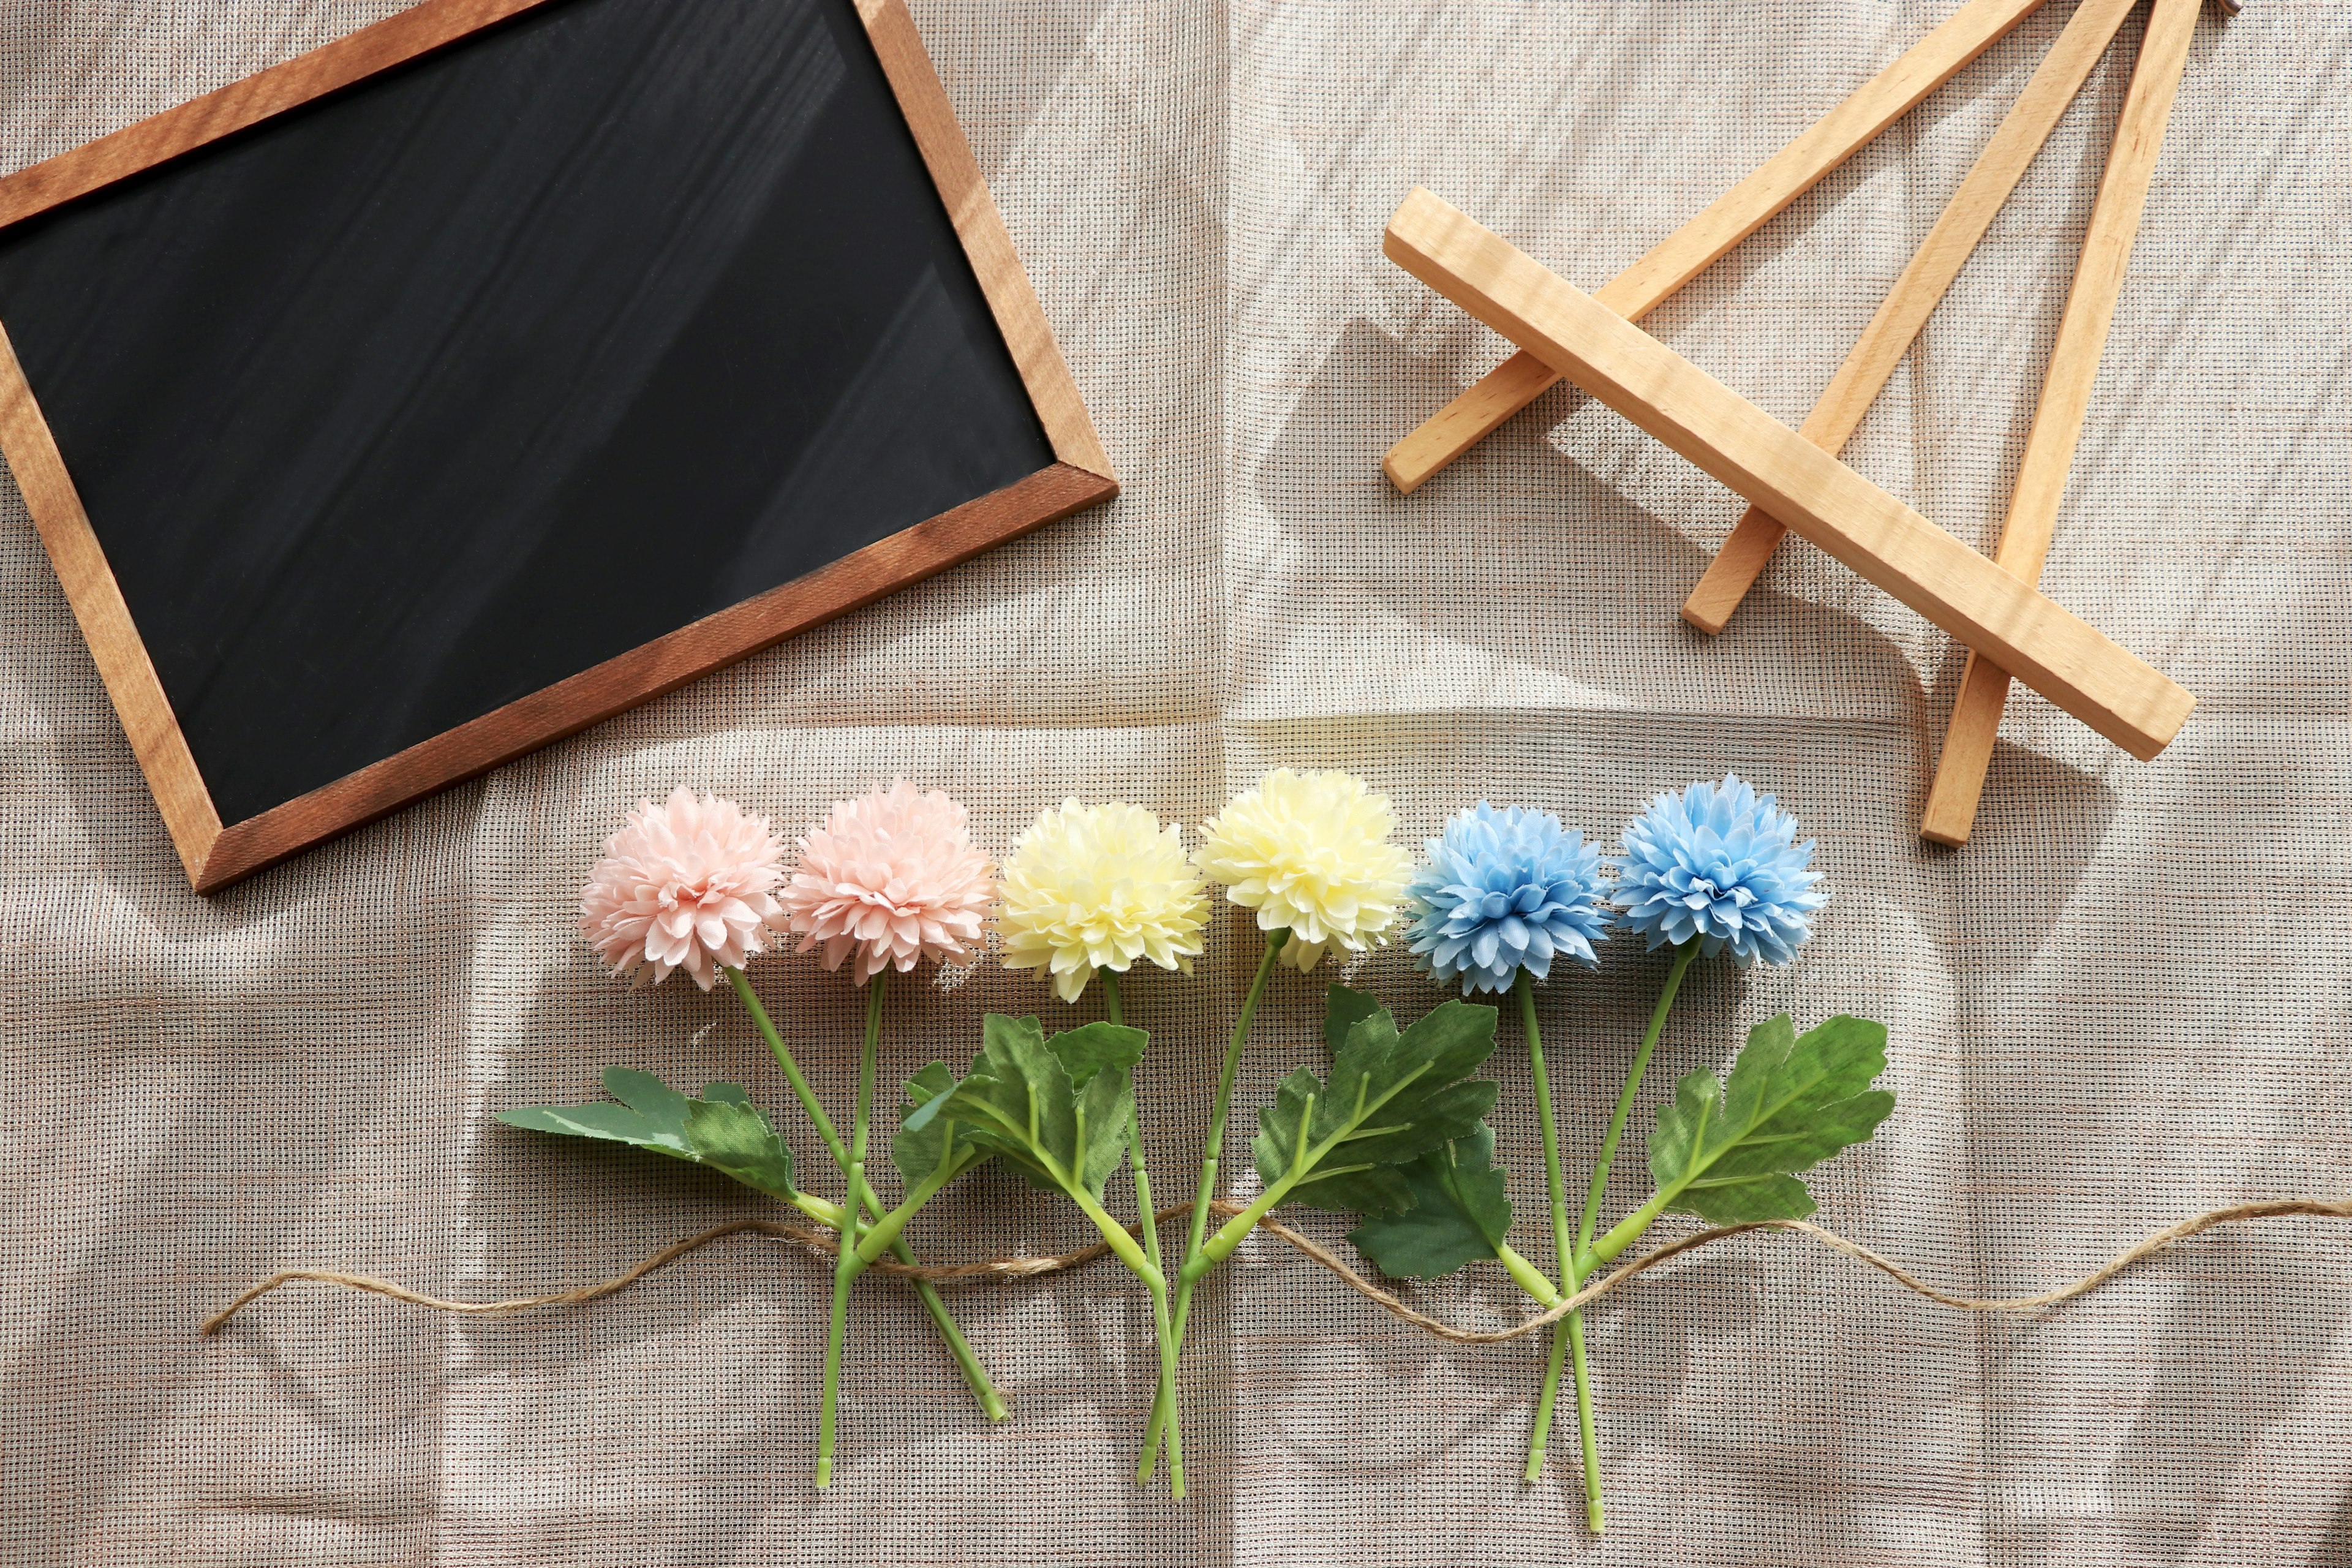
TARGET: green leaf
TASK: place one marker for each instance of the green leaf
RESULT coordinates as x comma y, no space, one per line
1092,1048
1344,1009
999,1099
1056,1107
651,1115
722,1129
1349,1188
1459,1212
1101,1059
1391,1097
729,1134
918,1151
1728,1152
933,1080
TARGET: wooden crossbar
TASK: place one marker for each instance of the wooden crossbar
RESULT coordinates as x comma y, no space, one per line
1885,542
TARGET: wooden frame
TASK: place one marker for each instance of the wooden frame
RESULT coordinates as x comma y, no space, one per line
215,854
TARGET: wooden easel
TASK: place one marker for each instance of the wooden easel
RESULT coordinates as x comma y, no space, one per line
1556,335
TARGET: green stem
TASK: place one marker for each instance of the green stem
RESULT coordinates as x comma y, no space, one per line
1128,1252
825,1214
882,1235
991,1404
1122,1245
1530,1278
1234,1231
1623,1233
1164,1324
1540,1440
1617,1118
848,1267
1188,1276
1164,1395
1581,1260
1596,1519
1134,1135
1620,1235
792,1074
1563,1244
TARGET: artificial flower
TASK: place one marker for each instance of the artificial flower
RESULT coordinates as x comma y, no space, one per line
893,878
1097,887
686,884
1719,863
1503,891
1310,854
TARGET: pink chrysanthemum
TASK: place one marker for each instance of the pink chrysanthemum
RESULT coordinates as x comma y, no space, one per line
893,876
684,885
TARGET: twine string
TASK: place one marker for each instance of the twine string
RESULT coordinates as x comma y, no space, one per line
1006,1269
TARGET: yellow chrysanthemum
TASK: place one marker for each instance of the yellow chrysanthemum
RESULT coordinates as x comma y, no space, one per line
1310,853
1097,887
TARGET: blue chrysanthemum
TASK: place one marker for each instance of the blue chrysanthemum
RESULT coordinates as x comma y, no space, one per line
1503,891
1720,863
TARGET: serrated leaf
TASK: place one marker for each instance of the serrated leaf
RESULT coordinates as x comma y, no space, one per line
1344,1009
613,1124
1459,1212
1389,1098
731,1134
918,1151
1017,1094
722,1129
1728,1152
1101,1059
1369,1189
1022,1099
651,1115
645,1093
1090,1048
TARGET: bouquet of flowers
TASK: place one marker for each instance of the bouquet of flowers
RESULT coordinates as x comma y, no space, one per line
1392,1128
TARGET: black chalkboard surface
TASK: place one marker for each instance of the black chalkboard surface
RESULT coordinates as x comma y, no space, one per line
397,411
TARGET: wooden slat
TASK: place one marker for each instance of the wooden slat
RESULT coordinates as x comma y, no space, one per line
986,241
233,108
1728,219
98,603
1822,499
663,665
1916,293
2066,386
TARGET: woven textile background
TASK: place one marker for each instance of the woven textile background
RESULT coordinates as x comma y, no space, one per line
2123,1003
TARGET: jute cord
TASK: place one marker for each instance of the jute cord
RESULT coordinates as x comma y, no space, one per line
1005,1269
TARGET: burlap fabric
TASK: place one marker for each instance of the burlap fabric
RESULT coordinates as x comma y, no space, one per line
2123,1003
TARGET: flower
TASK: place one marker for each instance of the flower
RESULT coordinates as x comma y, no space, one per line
1717,862
1097,887
682,885
893,876
1310,854
1506,890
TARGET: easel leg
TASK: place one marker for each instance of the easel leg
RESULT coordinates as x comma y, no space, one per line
2065,399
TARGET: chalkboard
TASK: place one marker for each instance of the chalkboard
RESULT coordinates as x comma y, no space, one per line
447,390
